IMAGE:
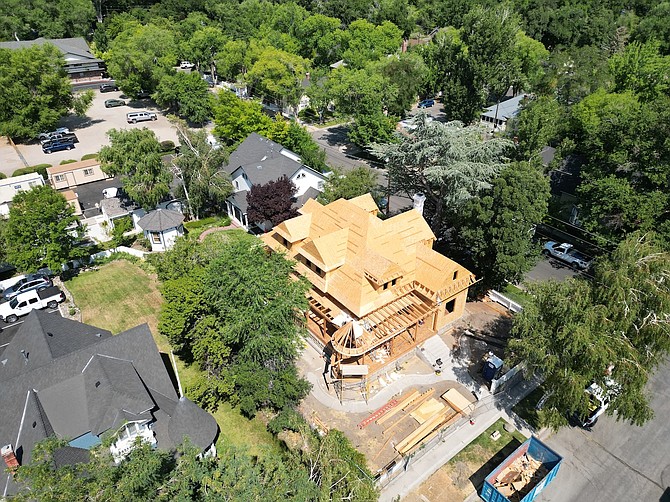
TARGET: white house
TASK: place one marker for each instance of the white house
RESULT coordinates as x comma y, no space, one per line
258,161
162,227
9,187
495,117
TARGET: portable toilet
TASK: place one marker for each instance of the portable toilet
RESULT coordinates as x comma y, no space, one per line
491,367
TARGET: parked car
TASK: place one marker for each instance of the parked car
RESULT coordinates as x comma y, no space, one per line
111,103
22,305
51,135
186,65
28,283
567,253
426,103
135,117
58,145
108,87
65,136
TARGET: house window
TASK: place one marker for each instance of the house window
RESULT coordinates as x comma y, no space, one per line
32,183
17,187
88,172
386,285
455,275
237,185
156,237
393,282
450,306
59,177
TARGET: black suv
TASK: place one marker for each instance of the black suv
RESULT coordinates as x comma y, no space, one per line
58,145
108,87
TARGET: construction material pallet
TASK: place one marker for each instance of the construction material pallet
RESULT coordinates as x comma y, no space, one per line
381,411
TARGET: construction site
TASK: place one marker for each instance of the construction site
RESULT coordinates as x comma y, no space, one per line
401,426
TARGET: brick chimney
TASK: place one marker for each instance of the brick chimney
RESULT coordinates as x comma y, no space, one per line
10,459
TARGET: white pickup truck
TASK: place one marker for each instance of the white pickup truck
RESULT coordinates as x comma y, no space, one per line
567,253
22,304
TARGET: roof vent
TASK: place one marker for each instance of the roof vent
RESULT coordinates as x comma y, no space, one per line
98,335
97,384
259,167
50,334
25,355
264,158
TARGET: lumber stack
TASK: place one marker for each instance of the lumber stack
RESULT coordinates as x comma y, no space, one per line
422,431
519,477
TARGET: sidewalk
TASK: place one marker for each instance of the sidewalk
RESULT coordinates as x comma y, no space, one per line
487,412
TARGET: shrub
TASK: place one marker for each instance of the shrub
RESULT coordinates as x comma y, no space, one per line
39,168
90,156
67,161
2,176
167,146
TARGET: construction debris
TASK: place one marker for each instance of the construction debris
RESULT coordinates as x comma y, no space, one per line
518,478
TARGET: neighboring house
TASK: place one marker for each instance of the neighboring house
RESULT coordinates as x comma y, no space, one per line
112,208
73,199
9,187
496,116
80,63
75,174
258,161
162,227
77,382
378,287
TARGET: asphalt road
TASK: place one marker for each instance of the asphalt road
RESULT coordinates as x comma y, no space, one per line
550,268
617,461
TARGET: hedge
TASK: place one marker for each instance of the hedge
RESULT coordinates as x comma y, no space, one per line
39,168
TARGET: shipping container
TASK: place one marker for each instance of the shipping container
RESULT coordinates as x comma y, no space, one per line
523,475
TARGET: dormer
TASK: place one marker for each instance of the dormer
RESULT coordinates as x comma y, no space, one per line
381,271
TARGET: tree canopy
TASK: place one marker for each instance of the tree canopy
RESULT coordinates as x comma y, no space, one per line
572,332
271,202
448,163
135,155
41,230
35,91
348,184
237,312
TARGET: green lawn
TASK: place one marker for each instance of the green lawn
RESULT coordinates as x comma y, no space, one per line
526,408
119,296
482,449
515,294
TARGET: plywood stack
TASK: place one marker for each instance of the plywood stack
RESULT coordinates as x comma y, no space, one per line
518,478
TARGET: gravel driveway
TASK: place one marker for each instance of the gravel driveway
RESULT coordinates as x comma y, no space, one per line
92,129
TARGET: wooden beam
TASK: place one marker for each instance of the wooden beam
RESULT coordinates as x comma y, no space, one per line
402,404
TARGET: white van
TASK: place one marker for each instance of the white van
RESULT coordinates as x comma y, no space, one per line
135,117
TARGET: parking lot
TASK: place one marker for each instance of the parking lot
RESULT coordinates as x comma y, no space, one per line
91,130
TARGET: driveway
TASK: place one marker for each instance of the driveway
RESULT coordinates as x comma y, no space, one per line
92,129
617,461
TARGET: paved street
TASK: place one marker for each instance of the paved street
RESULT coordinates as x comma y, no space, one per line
617,461
550,268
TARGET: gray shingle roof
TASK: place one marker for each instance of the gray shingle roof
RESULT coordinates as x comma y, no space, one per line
263,160
56,386
161,220
190,420
76,48
506,109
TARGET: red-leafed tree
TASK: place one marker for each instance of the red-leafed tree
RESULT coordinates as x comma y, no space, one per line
271,202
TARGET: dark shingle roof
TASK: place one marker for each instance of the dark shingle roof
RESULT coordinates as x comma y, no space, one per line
160,220
189,420
54,390
76,48
239,199
263,160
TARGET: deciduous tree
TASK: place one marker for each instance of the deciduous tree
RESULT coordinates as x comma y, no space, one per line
198,166
271,202
348,184
187,95
41,231
495,229
35,91
135,155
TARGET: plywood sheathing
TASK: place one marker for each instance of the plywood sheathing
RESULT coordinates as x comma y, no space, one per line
382,272
427,410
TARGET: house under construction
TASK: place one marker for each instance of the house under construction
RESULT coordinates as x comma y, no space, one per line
378,287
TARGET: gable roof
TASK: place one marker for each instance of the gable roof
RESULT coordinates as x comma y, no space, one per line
506,109
75,50
160,220
72,166
67,378
361,254
263,160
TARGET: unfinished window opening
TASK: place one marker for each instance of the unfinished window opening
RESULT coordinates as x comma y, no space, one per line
450,306
455,275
